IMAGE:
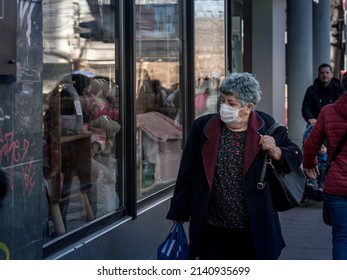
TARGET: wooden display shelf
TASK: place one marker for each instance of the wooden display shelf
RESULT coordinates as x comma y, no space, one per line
69,156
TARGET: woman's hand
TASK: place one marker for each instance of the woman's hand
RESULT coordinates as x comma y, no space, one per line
268,144
312,121
312,172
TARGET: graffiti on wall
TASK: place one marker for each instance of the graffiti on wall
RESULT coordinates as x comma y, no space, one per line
14,153
26,72
26,66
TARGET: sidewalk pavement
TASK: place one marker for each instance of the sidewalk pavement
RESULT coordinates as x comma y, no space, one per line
305,234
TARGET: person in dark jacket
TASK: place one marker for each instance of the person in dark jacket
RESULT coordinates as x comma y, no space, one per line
331,125
152,97
325,90
216,188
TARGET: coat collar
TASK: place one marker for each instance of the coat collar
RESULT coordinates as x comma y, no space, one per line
210,147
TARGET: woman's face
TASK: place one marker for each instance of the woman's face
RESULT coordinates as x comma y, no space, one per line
244,111
231,101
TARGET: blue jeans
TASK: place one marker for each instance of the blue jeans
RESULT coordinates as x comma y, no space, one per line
337,206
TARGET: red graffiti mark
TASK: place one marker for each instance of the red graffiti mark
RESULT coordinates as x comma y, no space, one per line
15,152
9,148
26,145
28,175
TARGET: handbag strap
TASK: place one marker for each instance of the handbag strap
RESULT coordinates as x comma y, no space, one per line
337,150
272,128
267,161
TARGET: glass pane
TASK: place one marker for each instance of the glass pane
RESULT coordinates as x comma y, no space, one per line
209,54
158,106
81,112
237,37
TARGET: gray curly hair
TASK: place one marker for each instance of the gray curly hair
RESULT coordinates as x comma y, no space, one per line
243,86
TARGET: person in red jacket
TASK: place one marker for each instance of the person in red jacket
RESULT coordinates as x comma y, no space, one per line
331,124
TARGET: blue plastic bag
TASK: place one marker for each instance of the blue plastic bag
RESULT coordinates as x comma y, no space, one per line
175,246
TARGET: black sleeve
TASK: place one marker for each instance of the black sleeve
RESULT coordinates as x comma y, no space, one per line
3,184
306,106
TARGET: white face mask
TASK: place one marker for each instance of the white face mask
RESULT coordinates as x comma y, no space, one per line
229,114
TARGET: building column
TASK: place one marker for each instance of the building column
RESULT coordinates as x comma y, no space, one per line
268,54
299,63
321,34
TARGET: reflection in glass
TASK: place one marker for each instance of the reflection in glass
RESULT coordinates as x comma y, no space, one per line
209,54
237,36
81,112
158,106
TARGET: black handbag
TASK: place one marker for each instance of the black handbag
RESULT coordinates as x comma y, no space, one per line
287,190
326,214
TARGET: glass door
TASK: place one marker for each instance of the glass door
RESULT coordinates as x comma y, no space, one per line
158,108
81,114
209,54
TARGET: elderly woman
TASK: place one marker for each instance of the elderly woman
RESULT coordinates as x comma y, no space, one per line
216,188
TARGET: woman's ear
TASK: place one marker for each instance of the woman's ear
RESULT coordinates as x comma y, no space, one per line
250,106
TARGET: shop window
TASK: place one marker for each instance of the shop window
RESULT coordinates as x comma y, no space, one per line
81,114
237,36
209,54
158,101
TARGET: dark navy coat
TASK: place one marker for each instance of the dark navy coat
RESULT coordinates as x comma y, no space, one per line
195,180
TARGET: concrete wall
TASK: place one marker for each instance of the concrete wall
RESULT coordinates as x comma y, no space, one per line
22,211
268,54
